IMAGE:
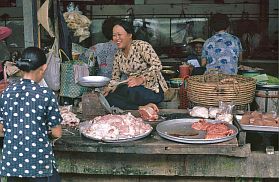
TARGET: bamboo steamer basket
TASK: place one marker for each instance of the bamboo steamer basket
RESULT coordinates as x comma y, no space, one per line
209,89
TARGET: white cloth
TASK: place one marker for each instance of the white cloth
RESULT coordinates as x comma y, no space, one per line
194,62
80,71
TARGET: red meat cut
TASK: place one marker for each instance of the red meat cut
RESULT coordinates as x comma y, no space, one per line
148,114
213,130
200,125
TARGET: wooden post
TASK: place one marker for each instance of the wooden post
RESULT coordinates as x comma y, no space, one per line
264,18
30,23
56,27
38,27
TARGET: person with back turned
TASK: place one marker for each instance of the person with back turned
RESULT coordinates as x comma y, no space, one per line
28,112
222,51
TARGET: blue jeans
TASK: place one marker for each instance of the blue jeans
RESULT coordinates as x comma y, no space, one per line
130,98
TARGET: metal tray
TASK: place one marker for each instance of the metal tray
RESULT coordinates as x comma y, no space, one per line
93,81
120,140
182,127
160,119
255,127
267,86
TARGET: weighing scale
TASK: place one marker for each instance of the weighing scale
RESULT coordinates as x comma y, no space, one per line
94,103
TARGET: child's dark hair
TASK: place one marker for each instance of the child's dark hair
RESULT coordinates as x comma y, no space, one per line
32,58
107,26
128,27
219,22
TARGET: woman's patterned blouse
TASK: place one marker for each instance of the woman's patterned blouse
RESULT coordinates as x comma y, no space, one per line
141,60
222,52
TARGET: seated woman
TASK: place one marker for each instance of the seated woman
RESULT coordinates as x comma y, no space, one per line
138,60
195,58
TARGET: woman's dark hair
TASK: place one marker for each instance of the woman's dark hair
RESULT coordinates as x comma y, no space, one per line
32,58
107,26
219,22
128,27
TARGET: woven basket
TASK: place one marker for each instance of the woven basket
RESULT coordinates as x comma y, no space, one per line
208,90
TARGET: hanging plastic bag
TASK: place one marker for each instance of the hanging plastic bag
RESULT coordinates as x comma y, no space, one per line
52,73
77,22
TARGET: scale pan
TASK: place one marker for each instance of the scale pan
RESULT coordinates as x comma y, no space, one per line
93,81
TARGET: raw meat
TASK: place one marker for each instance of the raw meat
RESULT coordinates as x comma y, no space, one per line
148,113
200,125
213,130
198,111
260,119
69,118
114,127
225,117
212,112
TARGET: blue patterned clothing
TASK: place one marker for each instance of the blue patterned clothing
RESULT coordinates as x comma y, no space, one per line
27,112
222,51
104,52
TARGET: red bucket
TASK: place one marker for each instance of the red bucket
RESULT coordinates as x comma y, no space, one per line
184,71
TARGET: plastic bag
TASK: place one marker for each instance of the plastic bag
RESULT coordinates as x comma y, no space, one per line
226,112
213,111
78,23
199,111
52,73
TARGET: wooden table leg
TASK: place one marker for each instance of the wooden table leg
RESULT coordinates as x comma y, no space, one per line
242,138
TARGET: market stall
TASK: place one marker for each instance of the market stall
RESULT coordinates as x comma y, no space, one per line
155,158
158,154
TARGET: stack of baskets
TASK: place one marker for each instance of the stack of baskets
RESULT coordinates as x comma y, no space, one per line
209,89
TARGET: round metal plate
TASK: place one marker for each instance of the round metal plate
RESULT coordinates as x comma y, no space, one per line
160,119
86,124
170,128
93,81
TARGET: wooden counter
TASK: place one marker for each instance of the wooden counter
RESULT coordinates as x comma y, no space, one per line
152,144
155,157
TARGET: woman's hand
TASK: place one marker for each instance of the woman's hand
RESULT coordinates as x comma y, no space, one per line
107,90
135,81
56,132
